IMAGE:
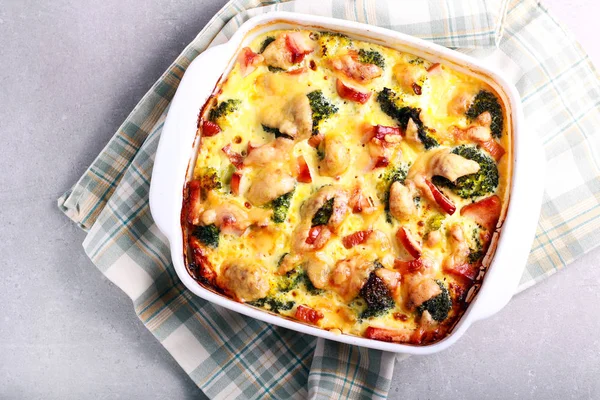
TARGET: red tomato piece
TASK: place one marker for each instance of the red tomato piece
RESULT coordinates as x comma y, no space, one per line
485,212
410,243
380,131
445,203
350,93
235,158
465,270
408,267
303,171
209,128
235,183
355,238
494,148
307,314
314,233
387,335
315,140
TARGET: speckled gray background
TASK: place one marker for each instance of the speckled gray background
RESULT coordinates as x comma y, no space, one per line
70,72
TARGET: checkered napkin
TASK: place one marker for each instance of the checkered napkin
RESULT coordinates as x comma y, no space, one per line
228,355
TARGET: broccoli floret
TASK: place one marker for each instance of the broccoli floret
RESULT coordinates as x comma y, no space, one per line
434,222
223,109
477,252
486,101
275,69
280,207
481,183
438,306
371,57
393,174
390,104
323,214
268,40
272,304
416,61
276,132
321,109
377,296
209,180
207,234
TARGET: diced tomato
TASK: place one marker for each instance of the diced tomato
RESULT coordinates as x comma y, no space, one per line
355,238
314,233
350,93
388,335
297,51
408,267
235,158
409,242
307,314
315,140
249,60
416,88
445,203
466,270
485,212
434,68
235,183
494,148
209,128
380,131
381,162
297,71
303,171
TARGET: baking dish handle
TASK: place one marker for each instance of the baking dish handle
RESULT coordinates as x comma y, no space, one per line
510,263
176,145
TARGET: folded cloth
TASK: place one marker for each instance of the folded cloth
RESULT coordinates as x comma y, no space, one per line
228,355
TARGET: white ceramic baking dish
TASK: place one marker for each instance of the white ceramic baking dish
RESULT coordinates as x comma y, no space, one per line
178,145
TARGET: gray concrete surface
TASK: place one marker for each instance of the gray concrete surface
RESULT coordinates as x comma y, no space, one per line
70,72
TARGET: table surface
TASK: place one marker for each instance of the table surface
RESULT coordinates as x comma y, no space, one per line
70,72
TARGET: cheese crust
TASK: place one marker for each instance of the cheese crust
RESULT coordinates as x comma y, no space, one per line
348,185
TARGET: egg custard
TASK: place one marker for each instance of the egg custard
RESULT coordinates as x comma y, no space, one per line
348,185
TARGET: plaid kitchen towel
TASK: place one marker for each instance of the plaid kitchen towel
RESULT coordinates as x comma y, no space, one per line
228,355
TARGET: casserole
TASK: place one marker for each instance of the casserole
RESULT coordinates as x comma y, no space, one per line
178,146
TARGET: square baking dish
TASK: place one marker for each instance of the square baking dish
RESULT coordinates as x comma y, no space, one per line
179,141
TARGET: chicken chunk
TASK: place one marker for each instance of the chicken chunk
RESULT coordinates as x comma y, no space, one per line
349,65
451,166
277,150
294,119
337,156
408,75
248,282
401,201
269,184
288,49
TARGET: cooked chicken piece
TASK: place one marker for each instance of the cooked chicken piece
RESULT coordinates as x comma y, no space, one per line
459,248
460,104
433,238
277,150
349,276
248,282
288,49
412,132
420,290
392,281
401,201
408,75
451,166
269,184
337,156
293,119
340,205
248,61
349,65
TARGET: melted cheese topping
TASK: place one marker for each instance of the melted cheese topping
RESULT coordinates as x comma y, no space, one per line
274,97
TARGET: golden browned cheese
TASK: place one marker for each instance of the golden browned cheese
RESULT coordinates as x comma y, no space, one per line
372,233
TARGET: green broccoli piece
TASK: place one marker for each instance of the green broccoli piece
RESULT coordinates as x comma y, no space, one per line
371,57
223,109
434,222
268,40
477,252
275,69
272,304
276,132
390,104
280,206
209,180
207,234
321,109
481,183
416,61
438,306
392,174
486,101
377,296
323,214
